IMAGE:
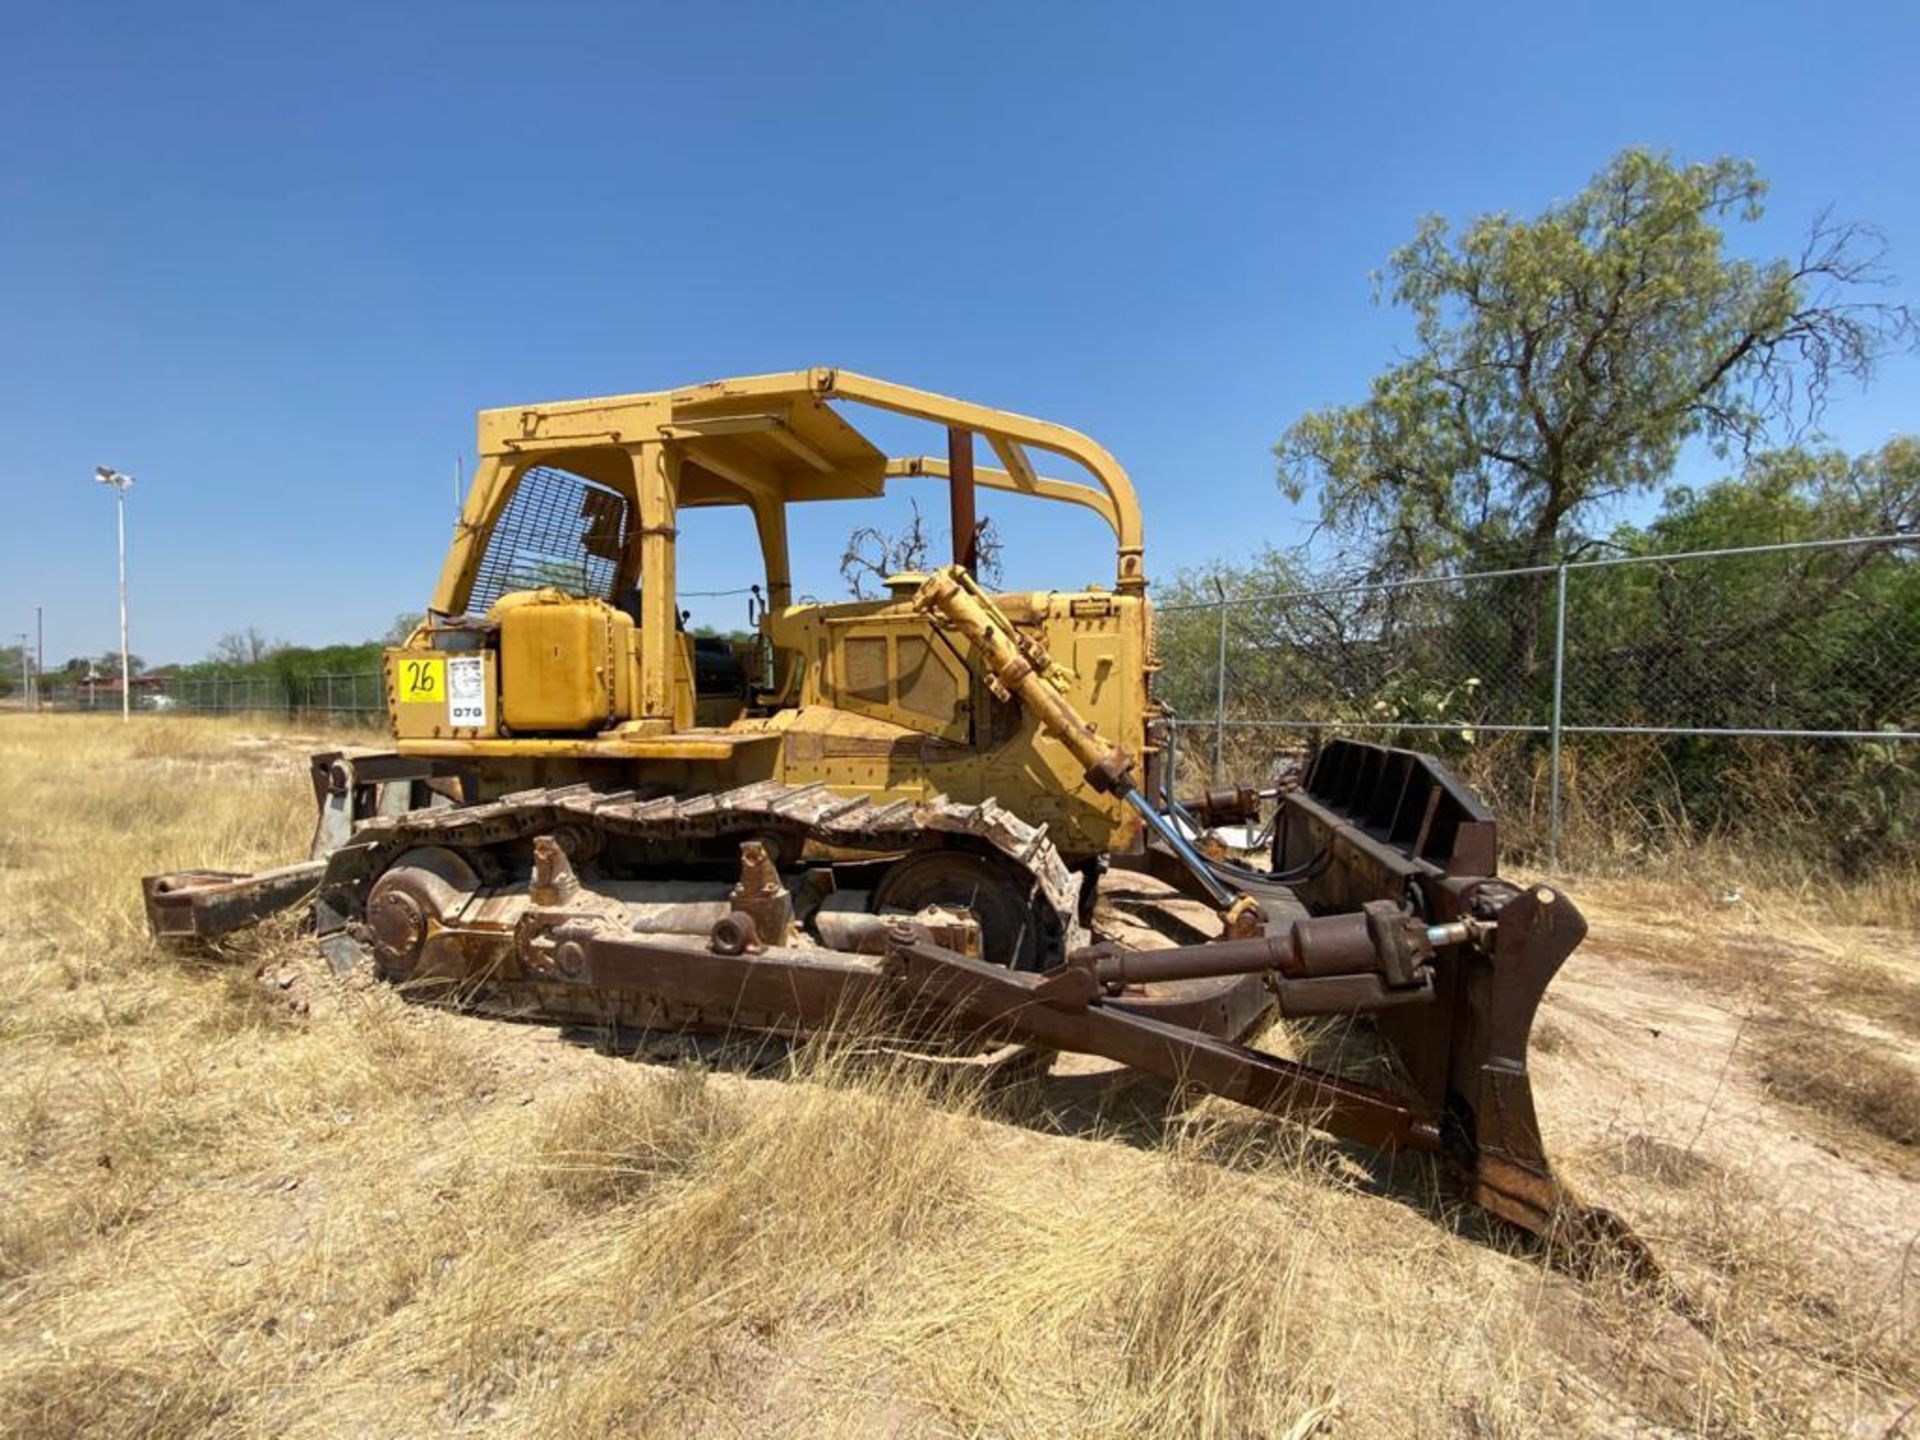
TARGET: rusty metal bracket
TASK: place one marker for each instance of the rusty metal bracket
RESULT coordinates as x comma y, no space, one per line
1062,1010
199,904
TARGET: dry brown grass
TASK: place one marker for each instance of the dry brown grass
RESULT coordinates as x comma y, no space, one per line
221,1213
1624,814
1845,1076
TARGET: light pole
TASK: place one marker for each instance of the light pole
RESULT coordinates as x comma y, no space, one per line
107,475
39,653
26,675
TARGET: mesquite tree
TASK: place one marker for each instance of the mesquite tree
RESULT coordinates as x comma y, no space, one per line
1562,362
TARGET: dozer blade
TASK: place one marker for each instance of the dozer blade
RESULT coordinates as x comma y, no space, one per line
1371,822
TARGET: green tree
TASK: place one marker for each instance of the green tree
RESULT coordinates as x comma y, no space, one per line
1800,639
1797,493
1808,639
12,671
403,626
1263,651
1562,362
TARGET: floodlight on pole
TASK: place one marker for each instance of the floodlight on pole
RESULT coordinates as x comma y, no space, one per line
107,475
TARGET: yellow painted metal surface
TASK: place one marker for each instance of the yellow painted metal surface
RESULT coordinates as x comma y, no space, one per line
1018,665
656,470
870,697
565,664
685,746
766,441
442,694
1008,753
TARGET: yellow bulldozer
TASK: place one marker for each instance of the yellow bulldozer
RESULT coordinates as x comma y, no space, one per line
908,808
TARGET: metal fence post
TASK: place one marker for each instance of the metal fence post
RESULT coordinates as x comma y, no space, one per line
1220,689
1559,689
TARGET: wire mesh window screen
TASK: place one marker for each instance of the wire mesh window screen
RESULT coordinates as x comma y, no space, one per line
558,531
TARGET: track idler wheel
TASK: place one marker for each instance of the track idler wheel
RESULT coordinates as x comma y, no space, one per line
421,889
1001,901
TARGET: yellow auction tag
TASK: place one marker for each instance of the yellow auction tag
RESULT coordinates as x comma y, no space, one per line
423,680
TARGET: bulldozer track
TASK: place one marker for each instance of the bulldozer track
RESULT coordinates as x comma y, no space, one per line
806,812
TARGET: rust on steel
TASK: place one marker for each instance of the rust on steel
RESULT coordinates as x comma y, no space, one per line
1454,987
1225,805
908,802
1383,938
1064,1012
190,903
960,489
760,896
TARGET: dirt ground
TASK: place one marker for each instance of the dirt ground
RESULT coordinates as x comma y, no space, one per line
240,1197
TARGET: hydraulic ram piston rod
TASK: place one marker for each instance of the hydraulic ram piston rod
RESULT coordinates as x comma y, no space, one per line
1385,939
1168,831
1017,666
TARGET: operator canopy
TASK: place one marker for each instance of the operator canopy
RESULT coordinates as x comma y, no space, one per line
778,439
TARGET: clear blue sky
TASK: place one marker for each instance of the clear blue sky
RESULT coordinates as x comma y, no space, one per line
270,258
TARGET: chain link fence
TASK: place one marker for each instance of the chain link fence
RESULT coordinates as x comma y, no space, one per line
346,698
1612,711
1615,709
